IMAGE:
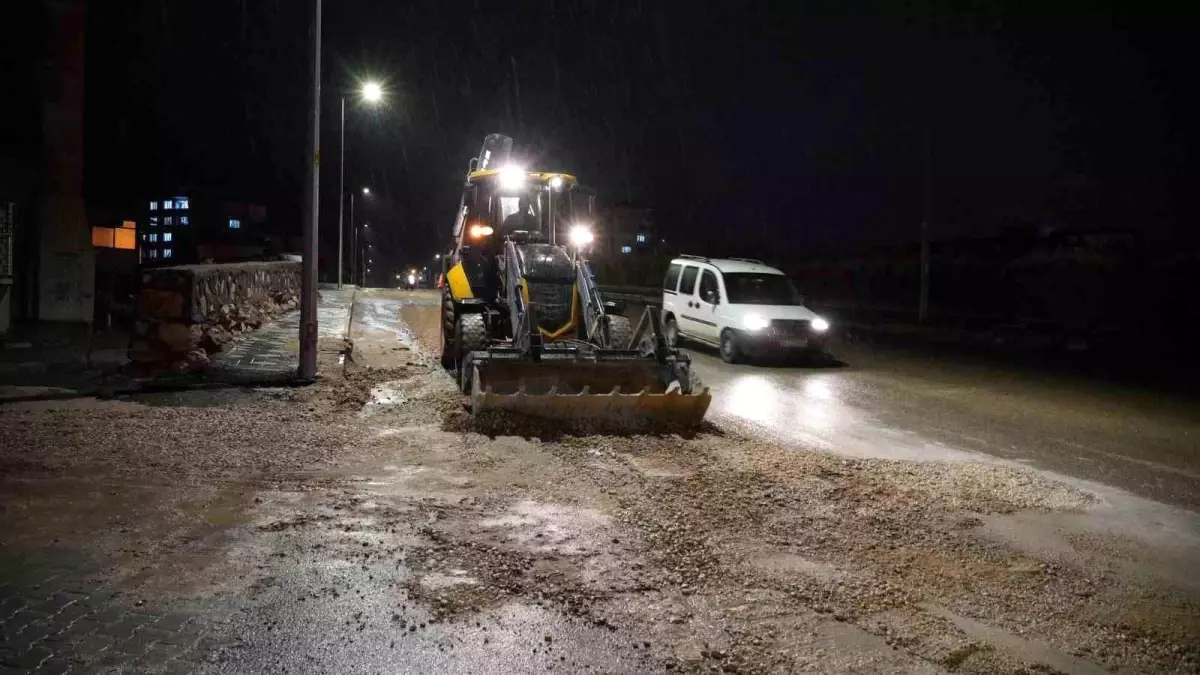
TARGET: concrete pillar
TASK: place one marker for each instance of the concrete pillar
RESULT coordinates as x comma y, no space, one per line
66,260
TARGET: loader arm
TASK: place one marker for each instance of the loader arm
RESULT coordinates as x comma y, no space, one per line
595,321
523,316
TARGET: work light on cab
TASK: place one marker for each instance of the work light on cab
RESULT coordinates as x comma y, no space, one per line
480,231
512,177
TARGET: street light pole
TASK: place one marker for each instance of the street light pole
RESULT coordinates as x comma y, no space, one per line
353,242
308,272
342,191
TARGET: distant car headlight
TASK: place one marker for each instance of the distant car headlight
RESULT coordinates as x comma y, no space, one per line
755,322
819,325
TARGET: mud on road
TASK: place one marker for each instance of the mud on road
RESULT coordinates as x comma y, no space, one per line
370,524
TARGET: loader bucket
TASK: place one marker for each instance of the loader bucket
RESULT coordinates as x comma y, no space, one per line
624,395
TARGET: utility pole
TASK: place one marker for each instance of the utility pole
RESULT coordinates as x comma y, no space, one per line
353,242
342,192
926,215
312,200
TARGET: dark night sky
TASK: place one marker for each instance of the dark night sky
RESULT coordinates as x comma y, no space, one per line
758,123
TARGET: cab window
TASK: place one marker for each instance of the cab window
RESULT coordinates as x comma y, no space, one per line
687,283
671,282
709,291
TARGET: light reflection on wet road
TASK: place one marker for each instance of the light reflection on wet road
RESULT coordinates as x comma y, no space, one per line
906,404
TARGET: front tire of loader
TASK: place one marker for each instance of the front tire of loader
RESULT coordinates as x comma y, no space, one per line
620,331
470,335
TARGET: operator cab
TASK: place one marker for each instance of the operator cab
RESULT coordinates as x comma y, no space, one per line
528,207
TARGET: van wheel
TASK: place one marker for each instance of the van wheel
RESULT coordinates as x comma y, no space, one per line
730,351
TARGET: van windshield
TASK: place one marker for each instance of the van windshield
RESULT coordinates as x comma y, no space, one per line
746,288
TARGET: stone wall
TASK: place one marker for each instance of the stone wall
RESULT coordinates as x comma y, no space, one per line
186,313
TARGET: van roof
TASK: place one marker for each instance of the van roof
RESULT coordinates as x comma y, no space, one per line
729,265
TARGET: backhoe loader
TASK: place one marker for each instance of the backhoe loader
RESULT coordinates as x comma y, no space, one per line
523,324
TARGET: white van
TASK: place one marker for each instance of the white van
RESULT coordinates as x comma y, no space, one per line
739,305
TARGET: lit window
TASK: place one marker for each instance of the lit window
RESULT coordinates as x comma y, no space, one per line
181,202
626,249
102,237
124,238
641,238
169,220
183,220
235,224
153,206
166,253
129,225
145,237
168,204
154,237
153,221
153,253
166,236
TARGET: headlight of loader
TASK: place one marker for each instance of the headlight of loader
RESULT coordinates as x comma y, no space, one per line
819,325
581,236
755,322
478,231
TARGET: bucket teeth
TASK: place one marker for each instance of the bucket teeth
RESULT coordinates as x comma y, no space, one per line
567,393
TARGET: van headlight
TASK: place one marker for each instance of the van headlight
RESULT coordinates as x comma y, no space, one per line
754,322
819,325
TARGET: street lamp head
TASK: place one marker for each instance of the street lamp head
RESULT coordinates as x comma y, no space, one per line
372,92
366,191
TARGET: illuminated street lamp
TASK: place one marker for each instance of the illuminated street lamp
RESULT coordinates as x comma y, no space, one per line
353,237
371,93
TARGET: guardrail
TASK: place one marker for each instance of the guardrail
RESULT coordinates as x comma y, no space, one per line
863,314
653,296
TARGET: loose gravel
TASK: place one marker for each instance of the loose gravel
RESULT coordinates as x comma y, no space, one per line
716,550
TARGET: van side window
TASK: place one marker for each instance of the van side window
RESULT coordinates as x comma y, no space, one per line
708,284
688,283
671,282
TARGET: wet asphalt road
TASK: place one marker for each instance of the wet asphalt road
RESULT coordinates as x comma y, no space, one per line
910,404
936,404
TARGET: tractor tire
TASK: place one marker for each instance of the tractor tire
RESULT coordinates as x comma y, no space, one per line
671,332
466,374
448,322
730,351
620,331
470,335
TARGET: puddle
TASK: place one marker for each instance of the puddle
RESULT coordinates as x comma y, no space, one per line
1017,646
655,469
791,563
438,580
564,529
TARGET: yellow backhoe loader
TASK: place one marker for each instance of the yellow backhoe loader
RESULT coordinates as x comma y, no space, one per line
523,323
